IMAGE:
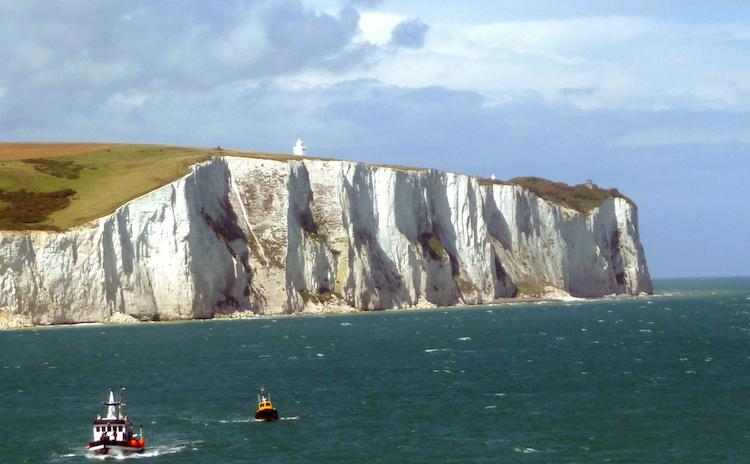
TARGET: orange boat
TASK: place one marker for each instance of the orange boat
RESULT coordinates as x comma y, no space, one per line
265,411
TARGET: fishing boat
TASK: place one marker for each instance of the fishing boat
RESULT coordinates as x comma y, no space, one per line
265,411
113,433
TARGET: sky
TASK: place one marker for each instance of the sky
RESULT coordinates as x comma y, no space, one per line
650,97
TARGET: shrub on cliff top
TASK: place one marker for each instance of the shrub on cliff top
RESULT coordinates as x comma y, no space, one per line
581,198
67,169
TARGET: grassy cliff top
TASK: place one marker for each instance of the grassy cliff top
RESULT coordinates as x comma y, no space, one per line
581,198
55,186
47,186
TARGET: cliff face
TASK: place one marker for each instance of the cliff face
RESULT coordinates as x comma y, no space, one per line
280,237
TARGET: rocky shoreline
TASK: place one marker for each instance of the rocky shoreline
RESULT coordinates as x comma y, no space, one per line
18,322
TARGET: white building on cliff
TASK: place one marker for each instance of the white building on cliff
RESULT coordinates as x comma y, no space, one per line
299,148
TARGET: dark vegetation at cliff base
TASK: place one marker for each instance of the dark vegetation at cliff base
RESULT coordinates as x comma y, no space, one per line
22,209
582,198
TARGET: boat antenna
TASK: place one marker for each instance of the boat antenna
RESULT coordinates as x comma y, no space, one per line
122,400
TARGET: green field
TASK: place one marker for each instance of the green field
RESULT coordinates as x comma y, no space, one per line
58,186
49,191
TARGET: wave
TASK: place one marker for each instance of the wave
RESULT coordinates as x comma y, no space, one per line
526,450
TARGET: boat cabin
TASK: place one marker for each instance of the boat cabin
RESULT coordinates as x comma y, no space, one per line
112,430
264,400
115,426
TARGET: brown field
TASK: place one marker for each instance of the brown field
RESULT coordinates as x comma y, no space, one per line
27,150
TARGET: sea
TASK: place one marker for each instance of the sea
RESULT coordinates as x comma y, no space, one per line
663,379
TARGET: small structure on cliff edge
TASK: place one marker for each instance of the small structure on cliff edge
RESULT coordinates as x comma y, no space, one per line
299,148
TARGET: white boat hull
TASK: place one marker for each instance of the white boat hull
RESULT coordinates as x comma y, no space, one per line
114,449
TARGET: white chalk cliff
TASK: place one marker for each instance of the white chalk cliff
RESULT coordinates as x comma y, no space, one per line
244,234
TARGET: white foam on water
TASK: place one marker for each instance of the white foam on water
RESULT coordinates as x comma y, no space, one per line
149,453
346,324
526,450
433,350
235,421
320,355
465,339
492,406
290,418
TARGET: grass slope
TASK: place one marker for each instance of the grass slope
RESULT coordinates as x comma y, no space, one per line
26,150
55,187
49,186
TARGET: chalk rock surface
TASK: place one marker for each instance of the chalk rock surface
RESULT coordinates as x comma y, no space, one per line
270,237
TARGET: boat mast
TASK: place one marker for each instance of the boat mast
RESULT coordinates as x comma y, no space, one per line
111,406
122,402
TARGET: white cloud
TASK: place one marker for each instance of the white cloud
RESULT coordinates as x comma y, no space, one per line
127,100
662,136
621,62
376,27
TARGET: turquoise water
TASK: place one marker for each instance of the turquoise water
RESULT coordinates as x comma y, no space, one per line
665,379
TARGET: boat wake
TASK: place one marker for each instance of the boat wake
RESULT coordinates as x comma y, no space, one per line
246,420
150,453
160,450
261,420
243,420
